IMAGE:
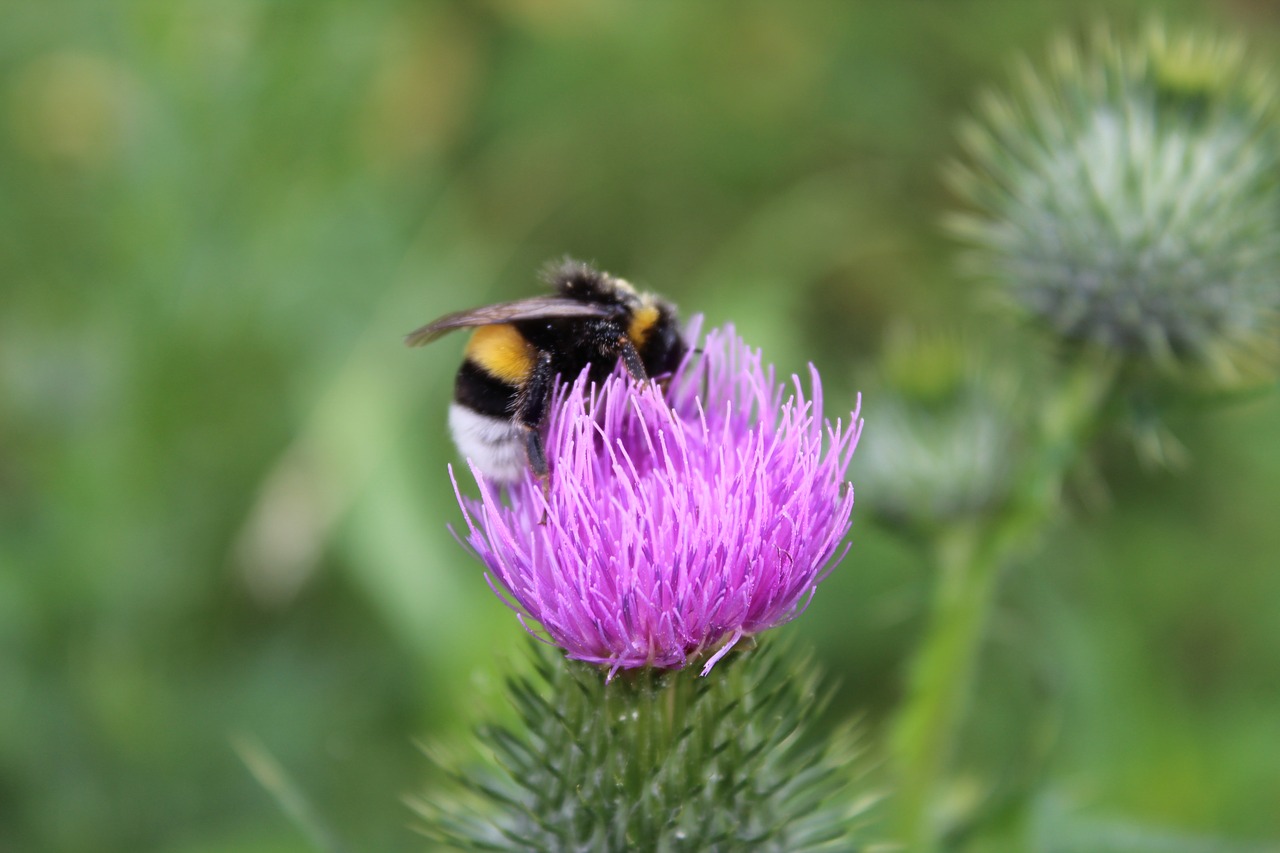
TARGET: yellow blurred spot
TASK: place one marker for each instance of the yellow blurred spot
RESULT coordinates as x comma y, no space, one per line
926,366
71,109
421,96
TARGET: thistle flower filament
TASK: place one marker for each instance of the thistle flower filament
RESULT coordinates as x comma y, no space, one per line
676,522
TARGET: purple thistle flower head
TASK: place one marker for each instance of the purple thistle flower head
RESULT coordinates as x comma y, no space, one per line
676,522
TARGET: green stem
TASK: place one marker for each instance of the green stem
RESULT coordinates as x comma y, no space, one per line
939,678
969,557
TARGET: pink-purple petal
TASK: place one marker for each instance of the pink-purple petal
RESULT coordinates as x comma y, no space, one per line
676,524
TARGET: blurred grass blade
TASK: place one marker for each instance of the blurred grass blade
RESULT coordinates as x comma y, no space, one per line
358,415
272,776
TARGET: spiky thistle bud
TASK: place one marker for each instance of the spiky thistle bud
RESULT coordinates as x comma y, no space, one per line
659,760
948,436
1128,197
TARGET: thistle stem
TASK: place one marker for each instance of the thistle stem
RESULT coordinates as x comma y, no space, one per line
969,558
939,680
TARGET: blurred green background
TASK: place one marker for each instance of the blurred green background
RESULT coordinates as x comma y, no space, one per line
223,497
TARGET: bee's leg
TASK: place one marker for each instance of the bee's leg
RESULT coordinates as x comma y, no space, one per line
610,339
631,359
538,462
531,411
537,455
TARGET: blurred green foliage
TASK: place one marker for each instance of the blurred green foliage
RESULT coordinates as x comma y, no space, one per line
223,494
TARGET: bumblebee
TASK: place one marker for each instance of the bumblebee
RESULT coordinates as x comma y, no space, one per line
518,349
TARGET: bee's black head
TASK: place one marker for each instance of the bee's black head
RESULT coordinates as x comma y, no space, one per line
665,347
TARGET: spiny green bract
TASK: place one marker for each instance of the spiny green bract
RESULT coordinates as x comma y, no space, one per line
659,761
1128,197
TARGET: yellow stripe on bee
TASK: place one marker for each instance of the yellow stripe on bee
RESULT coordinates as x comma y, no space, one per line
502,352
642,322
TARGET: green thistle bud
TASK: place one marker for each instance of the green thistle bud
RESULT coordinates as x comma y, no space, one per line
946,441
659,760
1128,198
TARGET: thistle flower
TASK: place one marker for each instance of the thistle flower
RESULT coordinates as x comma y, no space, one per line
1128,198
676,523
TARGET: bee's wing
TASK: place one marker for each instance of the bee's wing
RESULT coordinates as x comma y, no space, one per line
534,308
